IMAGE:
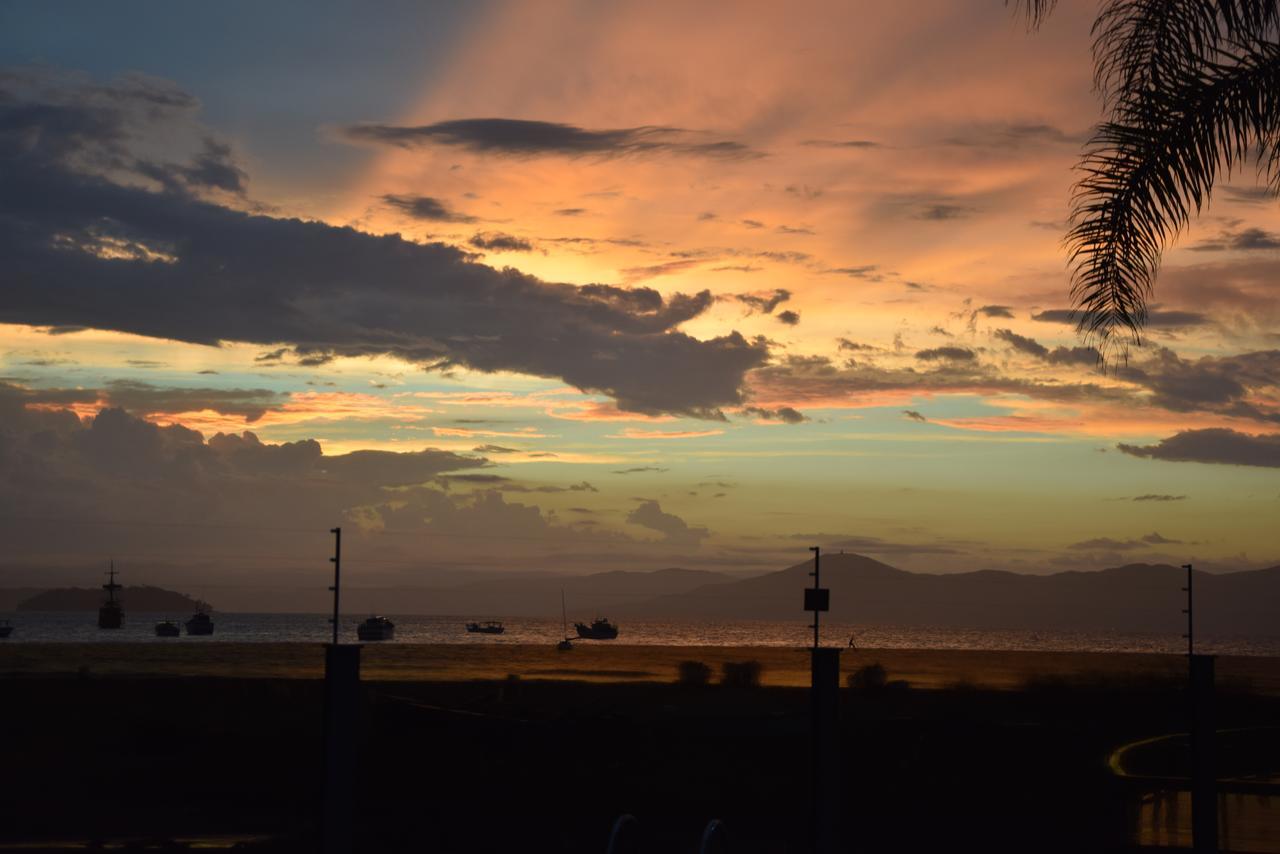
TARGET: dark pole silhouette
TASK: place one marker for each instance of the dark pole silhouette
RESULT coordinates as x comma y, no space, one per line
816,599
341,710
1204,772
1190,635
336,560
825,693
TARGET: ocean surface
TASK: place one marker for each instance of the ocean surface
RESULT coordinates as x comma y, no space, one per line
81,627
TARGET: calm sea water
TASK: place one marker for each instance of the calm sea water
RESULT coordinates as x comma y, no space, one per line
314,628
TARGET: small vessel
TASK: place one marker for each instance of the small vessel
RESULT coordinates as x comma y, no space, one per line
376,629
566,644
600,629
167,629
200,624
5,629
489,627
111,614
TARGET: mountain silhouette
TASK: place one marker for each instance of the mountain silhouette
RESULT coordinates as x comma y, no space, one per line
1136,597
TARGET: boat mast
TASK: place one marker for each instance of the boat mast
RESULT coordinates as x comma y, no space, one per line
111,587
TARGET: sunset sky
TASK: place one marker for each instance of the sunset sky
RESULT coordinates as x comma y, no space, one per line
585,286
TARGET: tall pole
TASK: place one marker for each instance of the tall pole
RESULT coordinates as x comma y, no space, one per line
337,577
1190,635
817,557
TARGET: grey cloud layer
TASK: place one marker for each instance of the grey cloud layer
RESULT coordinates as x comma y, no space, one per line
521,137
88,244
1213,445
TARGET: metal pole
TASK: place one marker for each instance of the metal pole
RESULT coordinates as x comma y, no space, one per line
336,560
817,556
1190,635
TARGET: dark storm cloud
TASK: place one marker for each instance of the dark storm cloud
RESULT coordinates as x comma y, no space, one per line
845,344
676,531
520,137
764,301
1021,343
841,143
506,484
952,354
425,208
866,271
496,241
116,467
785,414
250,404
1250,195
1080,356
1014,135
85,247
1156,319
1221,384
942,212
1107,544
1245,240
790,318
1213,445
994,311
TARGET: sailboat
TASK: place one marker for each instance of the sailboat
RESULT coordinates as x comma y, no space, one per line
111,614
565,644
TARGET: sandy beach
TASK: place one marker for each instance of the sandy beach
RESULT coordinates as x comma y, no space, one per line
611,663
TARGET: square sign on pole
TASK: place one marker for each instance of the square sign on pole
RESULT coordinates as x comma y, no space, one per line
817,599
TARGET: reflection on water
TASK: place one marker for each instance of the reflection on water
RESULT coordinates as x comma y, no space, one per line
1246,822
314,628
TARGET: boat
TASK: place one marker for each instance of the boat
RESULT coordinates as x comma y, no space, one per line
111,614
566,644
200,624
167,629
600,629
489,627
376,629
5,629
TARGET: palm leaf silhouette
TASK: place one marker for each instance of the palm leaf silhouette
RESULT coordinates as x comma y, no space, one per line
1191,91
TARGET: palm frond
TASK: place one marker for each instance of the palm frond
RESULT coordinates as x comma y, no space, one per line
1144,44
1035,10
1154,164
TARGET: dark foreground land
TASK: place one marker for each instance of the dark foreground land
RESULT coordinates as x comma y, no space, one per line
539,765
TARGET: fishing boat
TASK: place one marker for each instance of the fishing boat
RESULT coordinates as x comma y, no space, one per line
376,629
200,624
565,644
600,629
489,627
111,614
167,629
5,629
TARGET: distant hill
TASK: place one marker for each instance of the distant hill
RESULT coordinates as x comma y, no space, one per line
134,599
11,596
1136,598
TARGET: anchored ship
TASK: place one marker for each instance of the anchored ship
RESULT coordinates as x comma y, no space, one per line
600,629
200,624
111,614
376,629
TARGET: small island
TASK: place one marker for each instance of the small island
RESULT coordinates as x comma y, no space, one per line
139,599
